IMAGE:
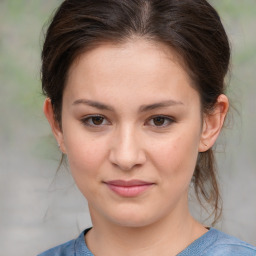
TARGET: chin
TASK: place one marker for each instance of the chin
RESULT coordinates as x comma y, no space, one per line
133,219
132,223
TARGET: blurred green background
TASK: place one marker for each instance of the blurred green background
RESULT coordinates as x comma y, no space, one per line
39,210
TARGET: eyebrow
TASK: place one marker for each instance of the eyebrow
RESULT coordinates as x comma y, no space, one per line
94,104
163,104
143,108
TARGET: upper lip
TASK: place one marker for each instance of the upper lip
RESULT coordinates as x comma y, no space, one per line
128,183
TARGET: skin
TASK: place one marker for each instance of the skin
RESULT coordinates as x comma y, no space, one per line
128,143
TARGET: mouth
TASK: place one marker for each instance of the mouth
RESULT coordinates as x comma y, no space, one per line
128,188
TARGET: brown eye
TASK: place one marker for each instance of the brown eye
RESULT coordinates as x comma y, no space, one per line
97,120
159,121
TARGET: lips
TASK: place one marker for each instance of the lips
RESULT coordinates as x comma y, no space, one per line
131,188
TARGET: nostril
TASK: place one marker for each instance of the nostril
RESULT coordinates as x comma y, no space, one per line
127,160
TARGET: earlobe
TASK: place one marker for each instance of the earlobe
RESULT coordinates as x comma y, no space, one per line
56,130
212,123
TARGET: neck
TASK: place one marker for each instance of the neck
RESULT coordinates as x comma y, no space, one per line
168,236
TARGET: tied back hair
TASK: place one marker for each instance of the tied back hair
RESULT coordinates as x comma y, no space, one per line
192,28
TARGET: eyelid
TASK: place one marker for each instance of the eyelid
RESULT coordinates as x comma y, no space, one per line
169,118
84,120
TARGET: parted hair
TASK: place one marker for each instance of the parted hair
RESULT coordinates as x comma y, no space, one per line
192,28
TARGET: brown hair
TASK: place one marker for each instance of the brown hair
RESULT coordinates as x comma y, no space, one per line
191,27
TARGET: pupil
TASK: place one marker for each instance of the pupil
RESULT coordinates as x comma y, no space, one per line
159,121
97,120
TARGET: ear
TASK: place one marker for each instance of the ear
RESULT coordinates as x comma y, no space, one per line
56,130
212,123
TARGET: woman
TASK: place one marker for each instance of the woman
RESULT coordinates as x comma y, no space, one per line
135,98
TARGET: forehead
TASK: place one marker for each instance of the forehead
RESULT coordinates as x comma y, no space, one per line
138,69
153,53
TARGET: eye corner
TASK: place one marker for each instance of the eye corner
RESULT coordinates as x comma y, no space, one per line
163,121
94,121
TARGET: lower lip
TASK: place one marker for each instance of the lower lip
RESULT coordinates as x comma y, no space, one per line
131,191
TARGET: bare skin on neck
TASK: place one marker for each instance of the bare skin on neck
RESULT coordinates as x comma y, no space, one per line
166,237
130,114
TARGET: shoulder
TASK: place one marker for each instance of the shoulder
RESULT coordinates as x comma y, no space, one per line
73,247
66,249
217,243
223,244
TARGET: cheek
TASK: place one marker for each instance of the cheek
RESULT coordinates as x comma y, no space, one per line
176,157
85,155
86,158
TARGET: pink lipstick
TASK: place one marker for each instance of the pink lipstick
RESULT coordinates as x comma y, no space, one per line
129,188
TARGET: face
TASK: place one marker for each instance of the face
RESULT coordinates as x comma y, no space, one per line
131,129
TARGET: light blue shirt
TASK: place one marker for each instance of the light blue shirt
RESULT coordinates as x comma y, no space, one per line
212,243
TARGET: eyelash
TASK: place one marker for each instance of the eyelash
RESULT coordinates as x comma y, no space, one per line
168,119
86,119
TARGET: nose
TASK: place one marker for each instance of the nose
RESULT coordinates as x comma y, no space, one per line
126,151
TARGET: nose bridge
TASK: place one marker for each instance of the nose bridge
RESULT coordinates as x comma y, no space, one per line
126,150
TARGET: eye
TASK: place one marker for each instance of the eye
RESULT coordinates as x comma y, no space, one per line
160,121
96,120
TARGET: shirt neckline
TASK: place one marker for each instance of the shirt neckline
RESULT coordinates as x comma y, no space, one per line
195,247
